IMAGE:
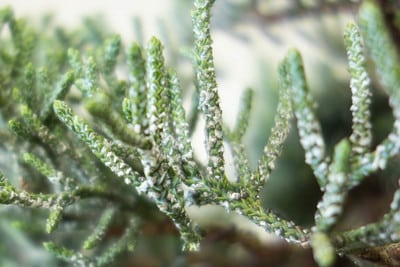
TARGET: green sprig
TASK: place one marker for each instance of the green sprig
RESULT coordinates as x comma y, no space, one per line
54,219
307,123
99,232
101,108
179,122
96,143
112,48
69,255
126,243
135,104
243,117
279,132
61,90
331,206
361,137
324,252
42,167
208,98
382,51
158,98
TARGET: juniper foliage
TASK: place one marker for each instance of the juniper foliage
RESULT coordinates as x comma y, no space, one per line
90,143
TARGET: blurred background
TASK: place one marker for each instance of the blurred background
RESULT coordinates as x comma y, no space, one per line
251,37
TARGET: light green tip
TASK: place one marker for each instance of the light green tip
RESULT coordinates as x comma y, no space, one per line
324,252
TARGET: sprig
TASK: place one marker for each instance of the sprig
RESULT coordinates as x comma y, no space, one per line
208,99
135,105
361,137
309,129
97,144
279,132
148,155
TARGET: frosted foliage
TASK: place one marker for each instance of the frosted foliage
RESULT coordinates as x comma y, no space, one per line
209,99
361,136
308,126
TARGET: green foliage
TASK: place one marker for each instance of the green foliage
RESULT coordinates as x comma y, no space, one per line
207,86
120,151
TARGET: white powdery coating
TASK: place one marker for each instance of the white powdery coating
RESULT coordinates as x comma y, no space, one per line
180,125
396,217
395,237
137,128
157,96
239,211
12,196
384,151
117,166
331,211
208,98
331,205
307,123
226,205
272,223
312,142
337,179
56,178
155,196
277,137
278,232
394,206
201,4
361,136
234,196
188,192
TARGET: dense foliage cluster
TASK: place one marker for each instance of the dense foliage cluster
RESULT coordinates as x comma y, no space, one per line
101,141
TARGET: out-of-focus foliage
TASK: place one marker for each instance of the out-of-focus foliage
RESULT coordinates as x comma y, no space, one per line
97,165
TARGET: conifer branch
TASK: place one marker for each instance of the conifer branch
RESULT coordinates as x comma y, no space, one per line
361,137
331,205
158,99
111,51
99,232
37,129
54,219
126,243
241,162
383,232
59,93
86,73
323,250
11,195
151,150
234,139
152,186
67,254
179,122
243,117
97,144
208,97
385,57
251,207
101,108
135,104
307,123
279,132
383,53
52,175
20,129
381,49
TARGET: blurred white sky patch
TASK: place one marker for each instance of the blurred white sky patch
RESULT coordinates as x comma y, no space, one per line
118,13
